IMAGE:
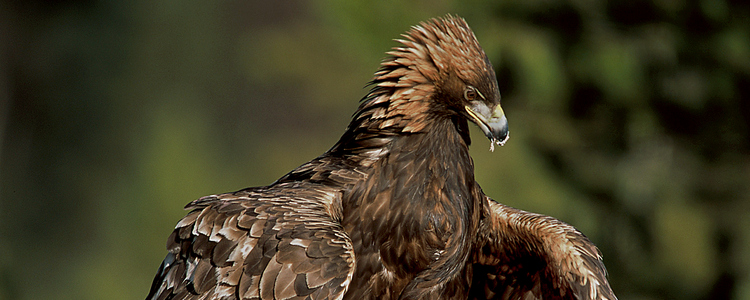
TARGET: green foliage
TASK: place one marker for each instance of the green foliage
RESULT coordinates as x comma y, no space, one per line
629,120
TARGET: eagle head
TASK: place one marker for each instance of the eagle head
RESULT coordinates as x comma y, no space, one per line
439,69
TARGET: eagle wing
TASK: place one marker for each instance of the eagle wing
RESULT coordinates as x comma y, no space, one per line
522,255
278,242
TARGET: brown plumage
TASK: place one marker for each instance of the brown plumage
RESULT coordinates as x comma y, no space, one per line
392,210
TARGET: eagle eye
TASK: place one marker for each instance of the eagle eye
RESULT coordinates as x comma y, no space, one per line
470,93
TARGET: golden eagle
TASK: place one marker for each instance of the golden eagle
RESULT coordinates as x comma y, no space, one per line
392,210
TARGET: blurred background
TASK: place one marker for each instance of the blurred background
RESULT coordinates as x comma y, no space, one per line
630,120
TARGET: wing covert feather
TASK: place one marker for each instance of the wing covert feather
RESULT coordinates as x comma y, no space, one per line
278,242
522,255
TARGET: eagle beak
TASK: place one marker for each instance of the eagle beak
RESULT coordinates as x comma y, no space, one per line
494,124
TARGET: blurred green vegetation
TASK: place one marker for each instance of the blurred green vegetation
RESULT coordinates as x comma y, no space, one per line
630,120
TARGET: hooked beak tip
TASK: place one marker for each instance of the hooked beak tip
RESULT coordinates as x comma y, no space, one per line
498,133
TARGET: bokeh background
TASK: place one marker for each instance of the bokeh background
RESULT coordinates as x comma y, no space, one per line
630,120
